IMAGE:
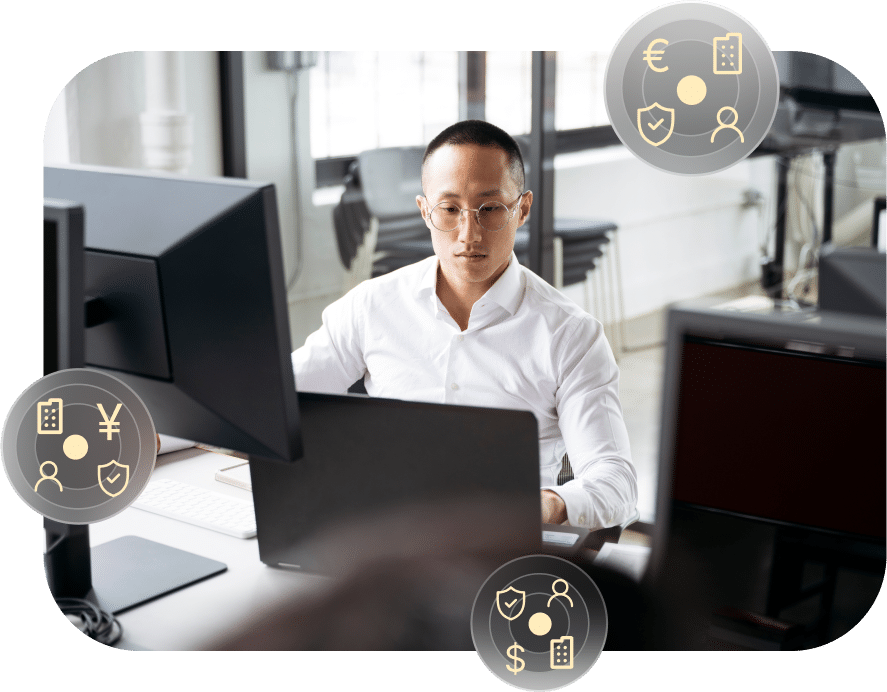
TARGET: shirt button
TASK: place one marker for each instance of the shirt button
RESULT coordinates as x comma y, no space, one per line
461,338
454,386
581,518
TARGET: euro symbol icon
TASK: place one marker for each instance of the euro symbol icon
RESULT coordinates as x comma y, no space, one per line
650,55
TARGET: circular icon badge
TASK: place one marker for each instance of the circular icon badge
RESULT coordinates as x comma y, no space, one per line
79,446
539,622
691,88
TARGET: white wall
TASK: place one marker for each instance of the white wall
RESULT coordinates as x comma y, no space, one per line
95,120
278,151
679,236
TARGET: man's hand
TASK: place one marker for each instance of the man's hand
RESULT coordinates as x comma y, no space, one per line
554,511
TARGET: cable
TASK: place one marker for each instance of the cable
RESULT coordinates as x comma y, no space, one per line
96,623
819,176
807,265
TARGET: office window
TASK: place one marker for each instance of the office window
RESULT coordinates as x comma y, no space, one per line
365,100
579,90
509,81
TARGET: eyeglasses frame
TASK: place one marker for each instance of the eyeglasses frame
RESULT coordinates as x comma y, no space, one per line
476,215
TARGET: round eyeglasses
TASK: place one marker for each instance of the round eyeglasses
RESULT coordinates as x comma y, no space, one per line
492,216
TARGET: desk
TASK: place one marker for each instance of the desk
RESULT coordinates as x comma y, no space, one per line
191,617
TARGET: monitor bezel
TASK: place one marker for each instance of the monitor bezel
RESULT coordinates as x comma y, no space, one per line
63,338
805,331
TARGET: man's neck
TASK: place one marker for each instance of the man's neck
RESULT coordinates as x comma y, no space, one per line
459,297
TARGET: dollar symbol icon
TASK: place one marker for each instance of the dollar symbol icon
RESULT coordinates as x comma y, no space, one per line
518,661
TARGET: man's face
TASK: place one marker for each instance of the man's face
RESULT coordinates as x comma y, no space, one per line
468,176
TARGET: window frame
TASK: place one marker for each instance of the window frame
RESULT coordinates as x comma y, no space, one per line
331,171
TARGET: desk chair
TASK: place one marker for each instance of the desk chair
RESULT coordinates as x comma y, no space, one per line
390,180
582,246
356,231
378,209
351,218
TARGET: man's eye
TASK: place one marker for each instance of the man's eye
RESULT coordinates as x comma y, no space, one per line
449,210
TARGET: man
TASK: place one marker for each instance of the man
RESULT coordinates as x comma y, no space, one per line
472,326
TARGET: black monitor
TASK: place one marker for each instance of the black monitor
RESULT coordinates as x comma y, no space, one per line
67,558
771,499
174,286
63,285
853,279
186,303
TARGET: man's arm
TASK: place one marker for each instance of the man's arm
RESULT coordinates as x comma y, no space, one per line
604,489
331,359
554,509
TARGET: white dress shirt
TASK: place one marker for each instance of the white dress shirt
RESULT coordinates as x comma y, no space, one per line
526,347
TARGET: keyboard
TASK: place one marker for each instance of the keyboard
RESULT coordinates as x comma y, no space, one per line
200,507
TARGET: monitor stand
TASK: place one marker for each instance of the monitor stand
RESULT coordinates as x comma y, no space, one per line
121,573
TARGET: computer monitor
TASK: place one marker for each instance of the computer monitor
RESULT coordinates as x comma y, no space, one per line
853,279
187,305
771,465
67,559
174,286
63,285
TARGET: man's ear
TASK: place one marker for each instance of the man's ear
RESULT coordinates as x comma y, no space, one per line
420,202
525,203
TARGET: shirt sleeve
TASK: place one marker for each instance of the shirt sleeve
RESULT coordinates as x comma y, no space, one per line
604,489
331,360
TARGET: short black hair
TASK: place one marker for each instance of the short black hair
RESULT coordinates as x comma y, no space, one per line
483,134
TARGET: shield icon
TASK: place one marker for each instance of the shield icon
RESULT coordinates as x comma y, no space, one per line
658,123
508,598
113,478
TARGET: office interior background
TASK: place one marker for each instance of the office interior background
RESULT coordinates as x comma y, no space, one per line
299,119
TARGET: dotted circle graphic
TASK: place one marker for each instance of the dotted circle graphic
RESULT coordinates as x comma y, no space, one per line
78,446
691,88
539,623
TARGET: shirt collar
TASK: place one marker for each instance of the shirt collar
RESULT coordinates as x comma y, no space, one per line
506,292
428,281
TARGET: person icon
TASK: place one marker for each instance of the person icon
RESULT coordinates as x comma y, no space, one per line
555,593
44,477
727,126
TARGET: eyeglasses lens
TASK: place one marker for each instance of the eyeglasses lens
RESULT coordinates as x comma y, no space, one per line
492,216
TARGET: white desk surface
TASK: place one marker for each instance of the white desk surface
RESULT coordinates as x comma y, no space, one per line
191,617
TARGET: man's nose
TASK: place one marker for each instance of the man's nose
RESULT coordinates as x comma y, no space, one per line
469,228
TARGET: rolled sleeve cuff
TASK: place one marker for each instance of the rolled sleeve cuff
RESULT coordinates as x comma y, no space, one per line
593,510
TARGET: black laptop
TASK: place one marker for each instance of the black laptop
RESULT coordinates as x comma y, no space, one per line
384,477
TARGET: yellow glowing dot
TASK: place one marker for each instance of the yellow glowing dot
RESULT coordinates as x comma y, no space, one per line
75,447
540,624
691,90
